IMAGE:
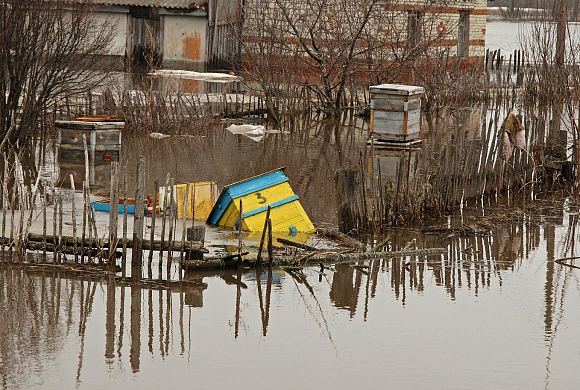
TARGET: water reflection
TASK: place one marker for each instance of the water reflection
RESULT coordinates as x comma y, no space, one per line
73,329
311,154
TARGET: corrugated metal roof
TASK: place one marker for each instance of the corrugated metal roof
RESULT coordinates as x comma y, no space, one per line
183,4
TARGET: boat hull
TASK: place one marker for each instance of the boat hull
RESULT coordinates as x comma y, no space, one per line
106,207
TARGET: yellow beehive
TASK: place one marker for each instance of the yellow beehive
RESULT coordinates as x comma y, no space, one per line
257,193
203,194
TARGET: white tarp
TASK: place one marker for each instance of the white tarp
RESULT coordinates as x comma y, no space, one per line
187,74
253,132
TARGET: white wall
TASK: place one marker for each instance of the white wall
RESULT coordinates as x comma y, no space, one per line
184,41
119,22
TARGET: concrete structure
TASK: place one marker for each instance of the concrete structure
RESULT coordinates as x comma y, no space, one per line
172,34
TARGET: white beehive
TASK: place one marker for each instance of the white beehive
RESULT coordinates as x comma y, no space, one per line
396,111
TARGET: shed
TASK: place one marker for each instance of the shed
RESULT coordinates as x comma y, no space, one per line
396,111
257,193
175,34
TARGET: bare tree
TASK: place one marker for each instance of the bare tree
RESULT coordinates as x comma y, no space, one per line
326,46
47,49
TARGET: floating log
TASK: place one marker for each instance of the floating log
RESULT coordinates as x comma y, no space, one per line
69,241
345,239
329,257
296,244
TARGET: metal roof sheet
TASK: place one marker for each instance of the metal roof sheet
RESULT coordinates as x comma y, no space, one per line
182,4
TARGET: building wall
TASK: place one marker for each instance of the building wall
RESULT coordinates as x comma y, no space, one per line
184,41
183,37
448,12
119,21
443,14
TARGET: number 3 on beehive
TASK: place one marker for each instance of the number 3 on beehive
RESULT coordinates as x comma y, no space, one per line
261,199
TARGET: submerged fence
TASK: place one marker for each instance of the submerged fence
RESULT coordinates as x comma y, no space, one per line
33,217
500,158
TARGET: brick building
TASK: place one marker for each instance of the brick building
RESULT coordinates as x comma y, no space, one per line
459,25
465,20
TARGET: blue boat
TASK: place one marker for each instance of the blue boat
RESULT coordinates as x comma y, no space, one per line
105,205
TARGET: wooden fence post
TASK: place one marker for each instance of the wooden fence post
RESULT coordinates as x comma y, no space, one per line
153,217
259,257
137,250
114,213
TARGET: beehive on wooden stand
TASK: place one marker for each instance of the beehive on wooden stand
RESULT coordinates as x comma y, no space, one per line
103,137
396,112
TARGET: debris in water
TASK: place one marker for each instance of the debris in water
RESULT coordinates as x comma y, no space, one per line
254,132
514,136
191,75
159,135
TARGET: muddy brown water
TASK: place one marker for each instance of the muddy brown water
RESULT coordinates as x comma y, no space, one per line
310,156
494,312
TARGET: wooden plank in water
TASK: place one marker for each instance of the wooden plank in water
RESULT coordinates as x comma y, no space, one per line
77,125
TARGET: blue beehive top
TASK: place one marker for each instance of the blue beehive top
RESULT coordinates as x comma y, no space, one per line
242,188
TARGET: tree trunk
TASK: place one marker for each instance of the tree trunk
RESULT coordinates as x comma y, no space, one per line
561,33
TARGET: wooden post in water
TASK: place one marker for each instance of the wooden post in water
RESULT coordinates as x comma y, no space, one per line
22,201
89,225
4,203
74,218
240,237
60,229
87,202
153,217
87,173
347,182
114,213
137,250
259,257
98,245
12,211
125,191
45,205
55,220
270,255
163,219
83,235
185,203
171,218
192,218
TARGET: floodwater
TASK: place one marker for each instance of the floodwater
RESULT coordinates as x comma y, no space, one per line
494,312
510,36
